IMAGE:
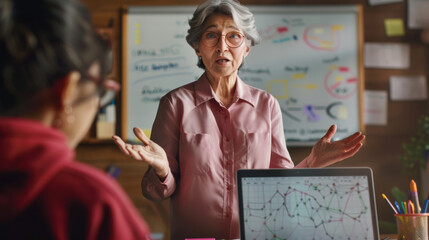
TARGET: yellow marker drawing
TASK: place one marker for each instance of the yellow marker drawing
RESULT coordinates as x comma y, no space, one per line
319,31
280,81
342,113
147,132
137,39
333,67
337,27
327,45
311,86
339,78
307,86
299,76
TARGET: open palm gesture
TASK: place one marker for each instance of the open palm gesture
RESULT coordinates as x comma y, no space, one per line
325,152
150,152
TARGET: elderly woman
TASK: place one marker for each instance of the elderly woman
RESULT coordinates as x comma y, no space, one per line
216,125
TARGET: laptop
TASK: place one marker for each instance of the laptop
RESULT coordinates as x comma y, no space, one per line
312,203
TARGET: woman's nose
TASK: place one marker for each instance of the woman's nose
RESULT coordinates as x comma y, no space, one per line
221,44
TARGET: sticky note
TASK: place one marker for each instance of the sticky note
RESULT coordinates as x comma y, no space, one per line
394,27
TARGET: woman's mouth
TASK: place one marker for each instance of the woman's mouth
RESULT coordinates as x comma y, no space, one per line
222,61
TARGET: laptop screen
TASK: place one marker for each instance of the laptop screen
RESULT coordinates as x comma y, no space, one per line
324,203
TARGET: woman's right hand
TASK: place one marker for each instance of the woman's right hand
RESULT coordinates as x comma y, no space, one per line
150,152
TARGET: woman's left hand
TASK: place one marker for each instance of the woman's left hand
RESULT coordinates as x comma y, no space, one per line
325,152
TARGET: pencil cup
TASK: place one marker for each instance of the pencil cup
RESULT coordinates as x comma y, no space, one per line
412,226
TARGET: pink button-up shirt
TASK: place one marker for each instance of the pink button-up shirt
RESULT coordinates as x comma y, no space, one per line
206,143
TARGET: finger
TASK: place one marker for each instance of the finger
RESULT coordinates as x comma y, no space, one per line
145,156
121,144
141,136
330,133
352,137
355,141
133,153
352,151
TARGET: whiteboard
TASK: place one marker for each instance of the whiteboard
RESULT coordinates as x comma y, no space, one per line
310,59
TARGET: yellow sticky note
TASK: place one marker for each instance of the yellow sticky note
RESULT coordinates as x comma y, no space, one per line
394,27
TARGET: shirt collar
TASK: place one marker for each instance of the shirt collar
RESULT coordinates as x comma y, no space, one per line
204,92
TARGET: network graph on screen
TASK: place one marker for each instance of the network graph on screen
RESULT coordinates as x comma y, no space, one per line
334,207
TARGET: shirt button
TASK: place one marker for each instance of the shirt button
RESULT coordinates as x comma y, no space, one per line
227,215
227,139
229,188
228,162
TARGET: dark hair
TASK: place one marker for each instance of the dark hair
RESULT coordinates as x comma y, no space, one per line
41,41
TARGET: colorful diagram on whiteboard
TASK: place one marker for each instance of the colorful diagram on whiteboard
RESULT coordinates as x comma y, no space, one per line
278,34
315,112
323,37
340,82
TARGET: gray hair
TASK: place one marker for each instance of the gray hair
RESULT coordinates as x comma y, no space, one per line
239,13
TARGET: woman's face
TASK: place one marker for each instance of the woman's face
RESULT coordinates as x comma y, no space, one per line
222,60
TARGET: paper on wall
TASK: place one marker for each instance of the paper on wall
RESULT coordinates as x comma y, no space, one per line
408,88
387,55
375,104
418,16
378,2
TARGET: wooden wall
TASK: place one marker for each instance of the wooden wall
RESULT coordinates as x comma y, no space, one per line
383,143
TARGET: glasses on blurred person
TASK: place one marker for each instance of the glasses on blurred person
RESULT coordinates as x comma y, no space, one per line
106,91
233,39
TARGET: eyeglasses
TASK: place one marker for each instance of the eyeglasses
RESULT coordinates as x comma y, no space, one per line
233,39
106,91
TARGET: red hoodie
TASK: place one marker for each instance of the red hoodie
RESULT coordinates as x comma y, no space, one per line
44,194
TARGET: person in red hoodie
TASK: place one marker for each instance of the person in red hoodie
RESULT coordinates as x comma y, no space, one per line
53,66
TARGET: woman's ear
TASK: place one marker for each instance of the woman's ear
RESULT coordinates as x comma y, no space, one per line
247,50
66,89
197,51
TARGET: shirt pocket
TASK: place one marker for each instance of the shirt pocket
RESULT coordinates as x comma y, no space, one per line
258,146
195,153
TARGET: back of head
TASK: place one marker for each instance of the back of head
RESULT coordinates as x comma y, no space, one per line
41,41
